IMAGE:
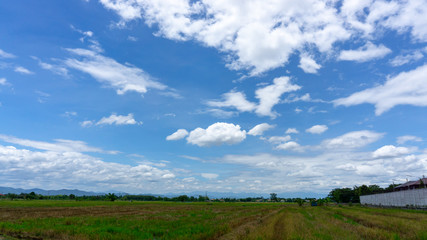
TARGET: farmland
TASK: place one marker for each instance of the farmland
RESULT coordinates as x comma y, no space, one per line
42,219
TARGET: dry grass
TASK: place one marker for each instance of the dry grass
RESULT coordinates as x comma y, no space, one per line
142,220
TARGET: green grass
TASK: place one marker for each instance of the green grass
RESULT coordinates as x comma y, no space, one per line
168,220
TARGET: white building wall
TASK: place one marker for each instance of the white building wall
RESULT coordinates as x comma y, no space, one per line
415,197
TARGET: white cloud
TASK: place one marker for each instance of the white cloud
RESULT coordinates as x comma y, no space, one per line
60,145
408,58
256,35
22,70
3,82
292,130
317,129
259,36
365,53
4,54
179,134
411,16
407,138
268,97
132,38
58,170
351,140
260,129
291,146
305,98
123,78
388,151
308,65
86,123
405,88
209,175
118,120
279,139
59,70
217,134
234,100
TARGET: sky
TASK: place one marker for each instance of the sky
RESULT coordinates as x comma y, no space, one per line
173,96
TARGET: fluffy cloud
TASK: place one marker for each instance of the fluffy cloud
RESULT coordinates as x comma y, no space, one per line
292,130
279,139
60,145
268,97
260,129
317,129
390,151
308,65
406,138
118,120
22,70
365,53
4,54
405,88
257,35
179,134
291,146
261,36
234,100
69,169
123,78
217,134
351,140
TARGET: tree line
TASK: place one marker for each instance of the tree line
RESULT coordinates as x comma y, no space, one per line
352,195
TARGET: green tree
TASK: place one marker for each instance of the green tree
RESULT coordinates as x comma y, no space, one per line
111,196
273,197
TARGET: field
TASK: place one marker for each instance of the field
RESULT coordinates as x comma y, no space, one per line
168,220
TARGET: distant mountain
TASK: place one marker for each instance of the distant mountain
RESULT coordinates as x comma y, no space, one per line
5,190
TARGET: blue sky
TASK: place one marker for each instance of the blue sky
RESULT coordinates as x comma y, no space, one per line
178,96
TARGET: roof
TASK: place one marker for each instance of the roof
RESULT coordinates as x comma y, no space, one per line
412,183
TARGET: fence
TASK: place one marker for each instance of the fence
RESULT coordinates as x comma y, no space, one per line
415,197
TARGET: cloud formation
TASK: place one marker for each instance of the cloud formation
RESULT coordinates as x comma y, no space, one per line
4,54
259,36
179,134
317,129
59,145
268,97
389,151
260,129
118,120
308,65
364,53
408,88
123,78
217,134
69,169
20,69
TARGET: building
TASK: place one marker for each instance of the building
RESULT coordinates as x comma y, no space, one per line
411,185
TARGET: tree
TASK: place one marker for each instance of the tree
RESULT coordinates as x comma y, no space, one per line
273,197
111,196
422,184
343,195
183,198
72,196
